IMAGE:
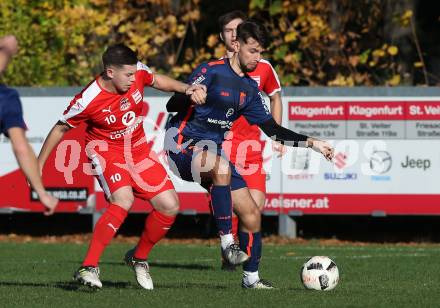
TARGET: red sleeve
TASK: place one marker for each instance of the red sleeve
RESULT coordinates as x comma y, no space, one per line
271,82
145,74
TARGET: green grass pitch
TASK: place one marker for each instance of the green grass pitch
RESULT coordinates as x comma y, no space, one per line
186,275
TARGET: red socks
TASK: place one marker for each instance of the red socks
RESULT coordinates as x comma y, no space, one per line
156,227
105,230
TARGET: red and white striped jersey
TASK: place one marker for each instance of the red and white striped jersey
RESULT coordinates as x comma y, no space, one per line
111,116
266,77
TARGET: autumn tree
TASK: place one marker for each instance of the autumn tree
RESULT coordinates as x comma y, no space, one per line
314,42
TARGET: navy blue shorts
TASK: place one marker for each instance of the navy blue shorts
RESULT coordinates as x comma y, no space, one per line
180,163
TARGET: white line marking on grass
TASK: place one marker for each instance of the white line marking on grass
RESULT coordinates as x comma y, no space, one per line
360,248
411,255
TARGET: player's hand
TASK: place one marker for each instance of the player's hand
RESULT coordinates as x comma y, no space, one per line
193,87
322,147
197,93
198,97
49,202
281,149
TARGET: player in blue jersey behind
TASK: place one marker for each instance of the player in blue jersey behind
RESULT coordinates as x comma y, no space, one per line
195,134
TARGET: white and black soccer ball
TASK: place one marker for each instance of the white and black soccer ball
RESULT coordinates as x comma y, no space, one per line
319,273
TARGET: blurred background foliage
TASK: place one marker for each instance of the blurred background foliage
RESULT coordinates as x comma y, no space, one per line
313,42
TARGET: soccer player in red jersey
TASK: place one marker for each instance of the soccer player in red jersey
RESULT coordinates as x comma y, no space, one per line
111,107
245,148
12,125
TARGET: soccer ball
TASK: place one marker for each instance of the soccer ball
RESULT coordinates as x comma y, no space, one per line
319,273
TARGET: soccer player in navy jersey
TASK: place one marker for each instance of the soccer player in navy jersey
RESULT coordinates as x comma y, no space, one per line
246,152
12,125
195,134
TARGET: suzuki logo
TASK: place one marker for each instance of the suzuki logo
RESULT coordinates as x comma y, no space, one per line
340,176
340,160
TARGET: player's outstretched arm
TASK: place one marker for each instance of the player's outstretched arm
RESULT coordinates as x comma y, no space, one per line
167,84
28,163
196,92
53,138
284,135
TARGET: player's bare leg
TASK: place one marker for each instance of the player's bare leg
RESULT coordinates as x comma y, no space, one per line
259,198
157,224
105,229
250,237
123,197
246,210
167,202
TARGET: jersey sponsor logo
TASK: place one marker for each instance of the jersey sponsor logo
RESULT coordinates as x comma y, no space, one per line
242,98
224,93
137,96
128,118
124,104
199,79
229,112
257,79
109,109
127,131
222,123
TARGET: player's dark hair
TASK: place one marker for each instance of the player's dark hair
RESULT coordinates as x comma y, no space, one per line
118,55
252,29
228,17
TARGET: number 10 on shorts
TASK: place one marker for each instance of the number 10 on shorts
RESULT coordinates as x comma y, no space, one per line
115,177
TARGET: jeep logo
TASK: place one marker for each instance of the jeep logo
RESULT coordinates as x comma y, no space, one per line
416,163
